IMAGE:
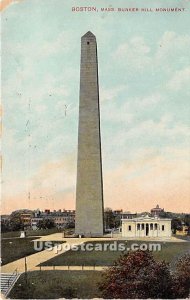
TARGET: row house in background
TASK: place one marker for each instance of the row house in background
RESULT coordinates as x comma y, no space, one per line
64,218
61,218
34,222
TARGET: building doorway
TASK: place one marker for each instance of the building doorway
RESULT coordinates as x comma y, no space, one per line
147,229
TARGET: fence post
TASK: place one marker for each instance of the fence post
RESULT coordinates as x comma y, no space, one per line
68,267
25,267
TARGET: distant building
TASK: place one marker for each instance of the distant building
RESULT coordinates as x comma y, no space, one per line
25,217
156,211
117,212
184,230
34,222
63,218
128,215
146,226
60,218
5,218
37,213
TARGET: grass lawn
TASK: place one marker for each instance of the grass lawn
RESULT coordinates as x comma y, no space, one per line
169,252
13,249
57,284
40,232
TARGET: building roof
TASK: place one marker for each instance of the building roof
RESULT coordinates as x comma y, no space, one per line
146,218
157,208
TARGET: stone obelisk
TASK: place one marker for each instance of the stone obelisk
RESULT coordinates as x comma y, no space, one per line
89,191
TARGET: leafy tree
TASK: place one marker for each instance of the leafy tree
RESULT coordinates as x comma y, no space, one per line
165,214
45,224
109,218
187,220
117,221
70,225
16,222
181,278
176,224
137,275
5,225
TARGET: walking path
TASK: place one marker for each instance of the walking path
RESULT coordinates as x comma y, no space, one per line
59,237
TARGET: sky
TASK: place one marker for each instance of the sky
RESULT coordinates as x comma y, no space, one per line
144,79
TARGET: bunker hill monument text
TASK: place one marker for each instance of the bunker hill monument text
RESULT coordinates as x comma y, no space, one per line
89,191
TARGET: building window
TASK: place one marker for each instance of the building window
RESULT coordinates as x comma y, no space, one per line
151,226
129,227
156,226
162,227
138,226
142,227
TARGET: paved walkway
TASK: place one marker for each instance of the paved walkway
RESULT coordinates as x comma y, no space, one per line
59,237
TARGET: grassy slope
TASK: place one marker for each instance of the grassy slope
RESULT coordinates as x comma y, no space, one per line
57,284
13,249
169,253
40,232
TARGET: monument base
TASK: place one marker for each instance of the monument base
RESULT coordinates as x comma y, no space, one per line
89,234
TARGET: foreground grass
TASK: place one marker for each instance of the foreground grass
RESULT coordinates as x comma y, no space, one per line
57,284
13,249
169,252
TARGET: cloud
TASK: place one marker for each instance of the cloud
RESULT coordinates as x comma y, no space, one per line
171,50
126,113
180,80
150,100
111,93
172,43
151,130
135,53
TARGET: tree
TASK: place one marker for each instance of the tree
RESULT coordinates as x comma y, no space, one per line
137,275
186,220
16,222
181,278
5,225
70,225
117,221
176,224
109,218
45,224
166,214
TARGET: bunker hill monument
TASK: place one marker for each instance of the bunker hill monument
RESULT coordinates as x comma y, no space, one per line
89,190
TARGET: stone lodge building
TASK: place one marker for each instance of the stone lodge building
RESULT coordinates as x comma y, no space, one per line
146,226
